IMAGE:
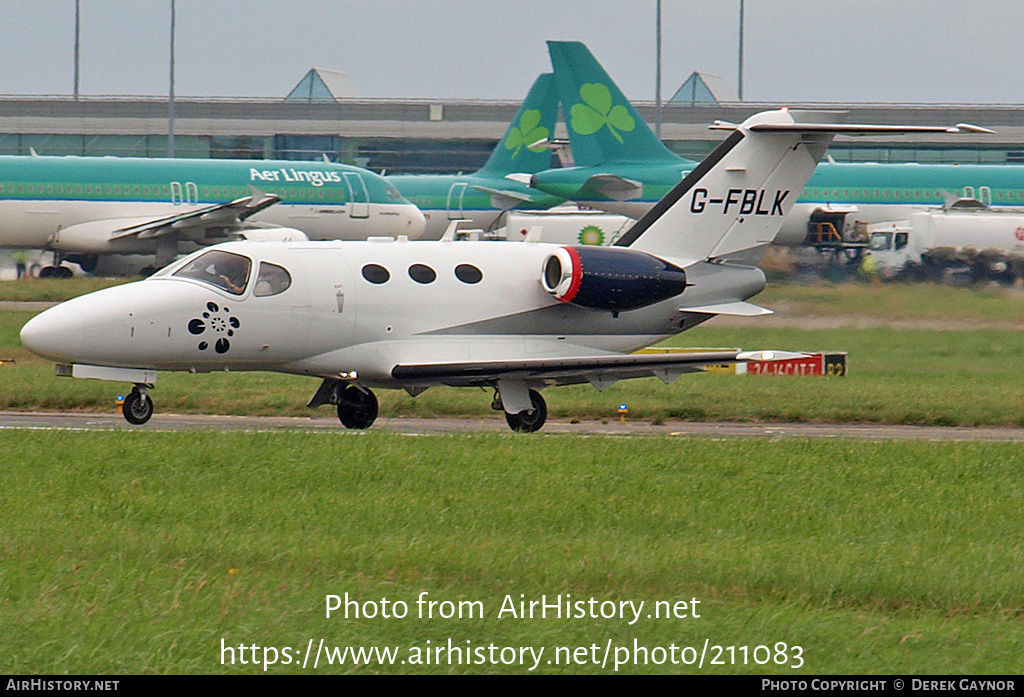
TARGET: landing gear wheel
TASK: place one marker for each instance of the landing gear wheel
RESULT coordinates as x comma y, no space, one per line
531,420
357,408
137,407
55,272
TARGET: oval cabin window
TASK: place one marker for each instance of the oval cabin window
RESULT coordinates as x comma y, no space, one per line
422,273
375,273
467,273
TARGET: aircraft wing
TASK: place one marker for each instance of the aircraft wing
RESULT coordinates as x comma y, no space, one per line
504,198
614,187
601,370
196,224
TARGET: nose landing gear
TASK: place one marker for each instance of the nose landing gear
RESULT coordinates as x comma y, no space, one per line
137,407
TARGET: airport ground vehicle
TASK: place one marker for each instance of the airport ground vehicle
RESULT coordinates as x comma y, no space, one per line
966,242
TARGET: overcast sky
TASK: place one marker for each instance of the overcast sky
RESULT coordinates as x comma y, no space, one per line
795,50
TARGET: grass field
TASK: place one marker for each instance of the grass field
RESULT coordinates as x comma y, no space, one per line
139,552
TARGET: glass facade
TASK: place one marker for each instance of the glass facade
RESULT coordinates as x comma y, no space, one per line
426,155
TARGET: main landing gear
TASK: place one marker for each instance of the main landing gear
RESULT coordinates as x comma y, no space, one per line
529,420
357,407
137,407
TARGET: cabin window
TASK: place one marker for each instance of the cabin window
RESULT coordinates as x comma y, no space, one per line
375,273
422,273
271,280
224,270
900,241
467,273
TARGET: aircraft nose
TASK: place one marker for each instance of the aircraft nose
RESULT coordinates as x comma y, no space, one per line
56,334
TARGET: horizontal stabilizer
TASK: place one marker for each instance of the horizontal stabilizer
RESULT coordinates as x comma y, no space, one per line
614,187
854,129
504,198
740,309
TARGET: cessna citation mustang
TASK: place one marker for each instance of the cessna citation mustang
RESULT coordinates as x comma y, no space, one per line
388,313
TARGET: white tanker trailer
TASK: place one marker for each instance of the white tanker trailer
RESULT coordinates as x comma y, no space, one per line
983,244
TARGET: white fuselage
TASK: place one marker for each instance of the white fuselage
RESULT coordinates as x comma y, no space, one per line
473,301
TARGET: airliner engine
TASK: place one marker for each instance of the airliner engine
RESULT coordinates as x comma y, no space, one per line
604,278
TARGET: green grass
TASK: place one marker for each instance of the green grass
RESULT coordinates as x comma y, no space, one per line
54,289
138,552
897,301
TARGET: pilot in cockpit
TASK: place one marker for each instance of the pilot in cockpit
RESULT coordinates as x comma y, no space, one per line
232,271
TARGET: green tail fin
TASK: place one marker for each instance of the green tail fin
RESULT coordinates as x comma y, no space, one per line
603,126
534,121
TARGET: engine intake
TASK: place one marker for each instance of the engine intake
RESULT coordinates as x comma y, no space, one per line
604,278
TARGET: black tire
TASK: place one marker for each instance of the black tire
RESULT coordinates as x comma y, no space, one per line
137,408
357,408
532,420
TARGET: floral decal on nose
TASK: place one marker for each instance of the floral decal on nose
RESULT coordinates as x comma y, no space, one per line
221,325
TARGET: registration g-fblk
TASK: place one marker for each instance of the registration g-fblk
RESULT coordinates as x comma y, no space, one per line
740,201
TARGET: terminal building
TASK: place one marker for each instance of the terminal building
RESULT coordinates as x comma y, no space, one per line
325,116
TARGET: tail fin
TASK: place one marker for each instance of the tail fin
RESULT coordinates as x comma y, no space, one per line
603,126
535,121
734,201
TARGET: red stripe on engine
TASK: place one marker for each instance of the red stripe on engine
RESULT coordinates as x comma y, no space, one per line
577,275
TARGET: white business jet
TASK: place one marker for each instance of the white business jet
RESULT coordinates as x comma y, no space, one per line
388,313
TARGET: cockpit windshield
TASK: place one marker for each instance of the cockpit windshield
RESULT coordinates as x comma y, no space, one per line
225,270
880,241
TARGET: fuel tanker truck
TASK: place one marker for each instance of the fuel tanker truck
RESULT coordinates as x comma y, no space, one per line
970,244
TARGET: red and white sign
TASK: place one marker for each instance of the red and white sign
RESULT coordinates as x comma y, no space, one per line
811,364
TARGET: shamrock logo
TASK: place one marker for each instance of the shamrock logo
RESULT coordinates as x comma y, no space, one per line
591,234
219,321
596,112
528,131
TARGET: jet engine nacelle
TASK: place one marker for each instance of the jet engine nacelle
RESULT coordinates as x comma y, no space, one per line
610,278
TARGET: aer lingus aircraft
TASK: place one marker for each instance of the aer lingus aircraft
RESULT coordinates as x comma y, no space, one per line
84,207
482,196
622,167
412,315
